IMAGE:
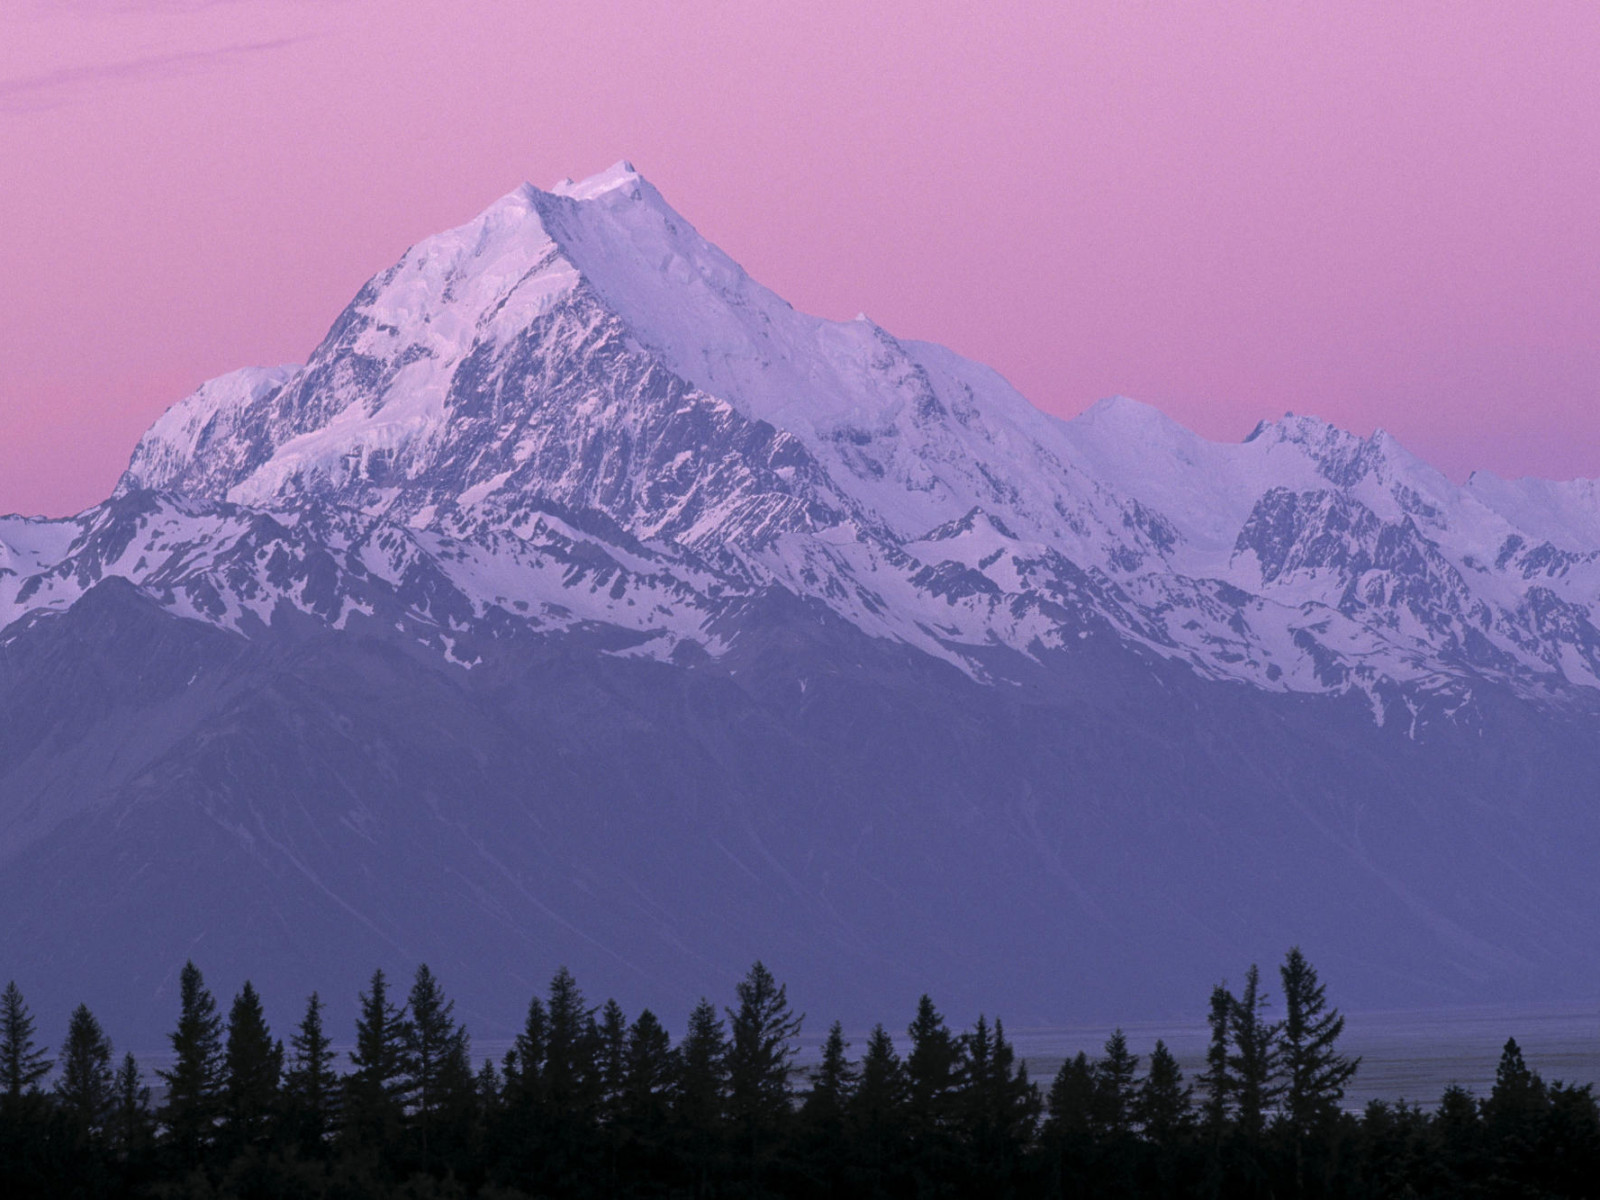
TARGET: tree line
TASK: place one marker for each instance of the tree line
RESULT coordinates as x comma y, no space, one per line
589,1104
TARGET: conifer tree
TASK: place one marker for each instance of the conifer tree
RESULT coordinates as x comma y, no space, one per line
1218,1082
1314,1072
437,1072
311,1085
644,1106
831,1085
374,1092
1514,1115
760,1048
1458,1129
571,1070
823,1112
195,1079
252,1072
1254,1058
931,1079
559,1138
876,1114
699,1101
85,1083
523,1067
131,1126
1114,1087
23,1062
999,1107
1070,1133
1163,1106
611,1054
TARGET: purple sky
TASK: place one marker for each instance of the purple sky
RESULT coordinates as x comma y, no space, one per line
1383,214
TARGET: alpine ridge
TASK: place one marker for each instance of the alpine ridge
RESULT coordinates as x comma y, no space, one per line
580,600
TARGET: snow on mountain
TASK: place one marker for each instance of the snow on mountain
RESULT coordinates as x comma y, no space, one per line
579,372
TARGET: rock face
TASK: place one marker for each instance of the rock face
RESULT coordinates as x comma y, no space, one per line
580,601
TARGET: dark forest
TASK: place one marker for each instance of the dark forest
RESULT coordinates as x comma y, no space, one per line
590,1104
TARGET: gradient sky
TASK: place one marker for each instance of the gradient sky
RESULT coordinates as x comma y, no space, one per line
1384,214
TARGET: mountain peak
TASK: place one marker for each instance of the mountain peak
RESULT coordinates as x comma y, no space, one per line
619,175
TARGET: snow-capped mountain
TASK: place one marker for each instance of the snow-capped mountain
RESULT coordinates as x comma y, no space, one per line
574,431
579,372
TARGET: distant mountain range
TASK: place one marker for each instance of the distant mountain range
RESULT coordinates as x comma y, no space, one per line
581,601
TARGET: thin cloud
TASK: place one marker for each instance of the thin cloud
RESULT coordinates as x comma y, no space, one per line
38,93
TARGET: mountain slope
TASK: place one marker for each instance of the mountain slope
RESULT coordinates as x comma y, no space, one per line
579,600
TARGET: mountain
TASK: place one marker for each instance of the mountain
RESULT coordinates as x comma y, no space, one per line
578,600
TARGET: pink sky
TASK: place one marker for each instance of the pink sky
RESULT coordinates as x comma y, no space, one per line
1383,214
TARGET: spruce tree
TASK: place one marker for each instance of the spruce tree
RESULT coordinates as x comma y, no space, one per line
518,1135
1114,1087
23,1062
876,1116
1513,1118
311,1085
131,1124
831,1084
1314,1072
195,1079
1254,1060
999,1108
1218,1082
931,1078
85,1085
374,1092
1070,1135
644,1106
700,1099
252,1072
823,1113
1163,1106
437,1076
760,1048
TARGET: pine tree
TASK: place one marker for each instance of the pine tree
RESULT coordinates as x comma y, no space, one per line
23,1062
1114,1087
823,1112
1255,1056
548,1131
999,1108
611,1054
1315,1073
931,1077
644,1106
761,1047
86,1084
374,1092
252,1072
437,1075
1071,1133
1164,1112
1163,1107
194,1082
1514,1116
131,1125
518,1135
1218,1082
310,1085
522,1070
831,1085
876,1115
700,1099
